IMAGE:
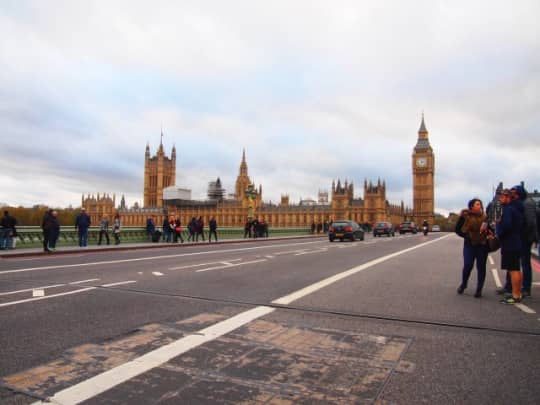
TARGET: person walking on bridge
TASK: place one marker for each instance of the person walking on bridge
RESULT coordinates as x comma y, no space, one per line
475,247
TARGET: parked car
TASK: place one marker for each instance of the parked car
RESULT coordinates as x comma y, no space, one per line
435,228
408,226
345,229
384,228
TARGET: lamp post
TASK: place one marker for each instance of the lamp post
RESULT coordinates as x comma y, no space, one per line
250,194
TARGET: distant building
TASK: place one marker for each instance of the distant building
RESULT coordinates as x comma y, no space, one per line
159,173
162,197
171,193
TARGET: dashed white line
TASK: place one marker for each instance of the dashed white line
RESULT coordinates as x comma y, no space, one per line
118,283
496,278
190,266
48,286
32,289
7,304
157,273
525,308
85,281
308,252
226,266
140,259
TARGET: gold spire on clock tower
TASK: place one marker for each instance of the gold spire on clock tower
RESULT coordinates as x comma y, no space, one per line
423,168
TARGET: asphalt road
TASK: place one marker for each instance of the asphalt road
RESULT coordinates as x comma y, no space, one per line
296,321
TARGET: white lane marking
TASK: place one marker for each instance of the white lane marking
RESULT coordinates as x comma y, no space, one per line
269,256
32,289
118,283
307,252
536,283
37,298
111,378
48,286
140,259
496,278
491,261
525,308
38,293
226,266
330,280
288,252
85,281
190,266
7,304
157,273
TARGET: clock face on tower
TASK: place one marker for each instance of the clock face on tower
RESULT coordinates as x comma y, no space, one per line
421,162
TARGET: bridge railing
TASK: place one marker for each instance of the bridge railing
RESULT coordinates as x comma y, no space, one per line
32,236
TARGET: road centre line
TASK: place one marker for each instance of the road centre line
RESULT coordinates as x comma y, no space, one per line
286,300
231,265
31,289
498,284
307,252
118,283
525,308
496,278
189,266
120,374
48,286
288,252
7,304
140,259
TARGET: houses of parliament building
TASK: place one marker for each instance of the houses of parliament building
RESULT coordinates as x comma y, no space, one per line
247,201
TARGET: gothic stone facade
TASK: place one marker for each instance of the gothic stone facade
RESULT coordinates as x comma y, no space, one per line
160,172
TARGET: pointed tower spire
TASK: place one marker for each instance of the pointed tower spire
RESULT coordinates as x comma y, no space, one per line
423,129
243,164
423,141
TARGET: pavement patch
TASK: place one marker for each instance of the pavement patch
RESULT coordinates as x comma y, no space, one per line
260,362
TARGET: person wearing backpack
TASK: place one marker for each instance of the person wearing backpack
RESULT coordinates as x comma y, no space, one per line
528,236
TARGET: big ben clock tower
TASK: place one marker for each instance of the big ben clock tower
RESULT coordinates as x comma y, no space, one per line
423,168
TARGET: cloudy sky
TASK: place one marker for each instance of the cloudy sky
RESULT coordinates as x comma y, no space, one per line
314,91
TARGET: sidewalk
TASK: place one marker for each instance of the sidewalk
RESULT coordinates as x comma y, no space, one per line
38,251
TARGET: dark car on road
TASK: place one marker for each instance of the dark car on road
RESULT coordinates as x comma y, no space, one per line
384,228
345,229
407,227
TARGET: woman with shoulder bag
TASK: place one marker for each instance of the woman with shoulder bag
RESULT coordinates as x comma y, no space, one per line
472,228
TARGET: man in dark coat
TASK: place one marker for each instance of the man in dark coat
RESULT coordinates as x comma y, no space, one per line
49,229
7,224
82,223
212,226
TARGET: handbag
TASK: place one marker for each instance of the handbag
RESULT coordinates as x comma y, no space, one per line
493,244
